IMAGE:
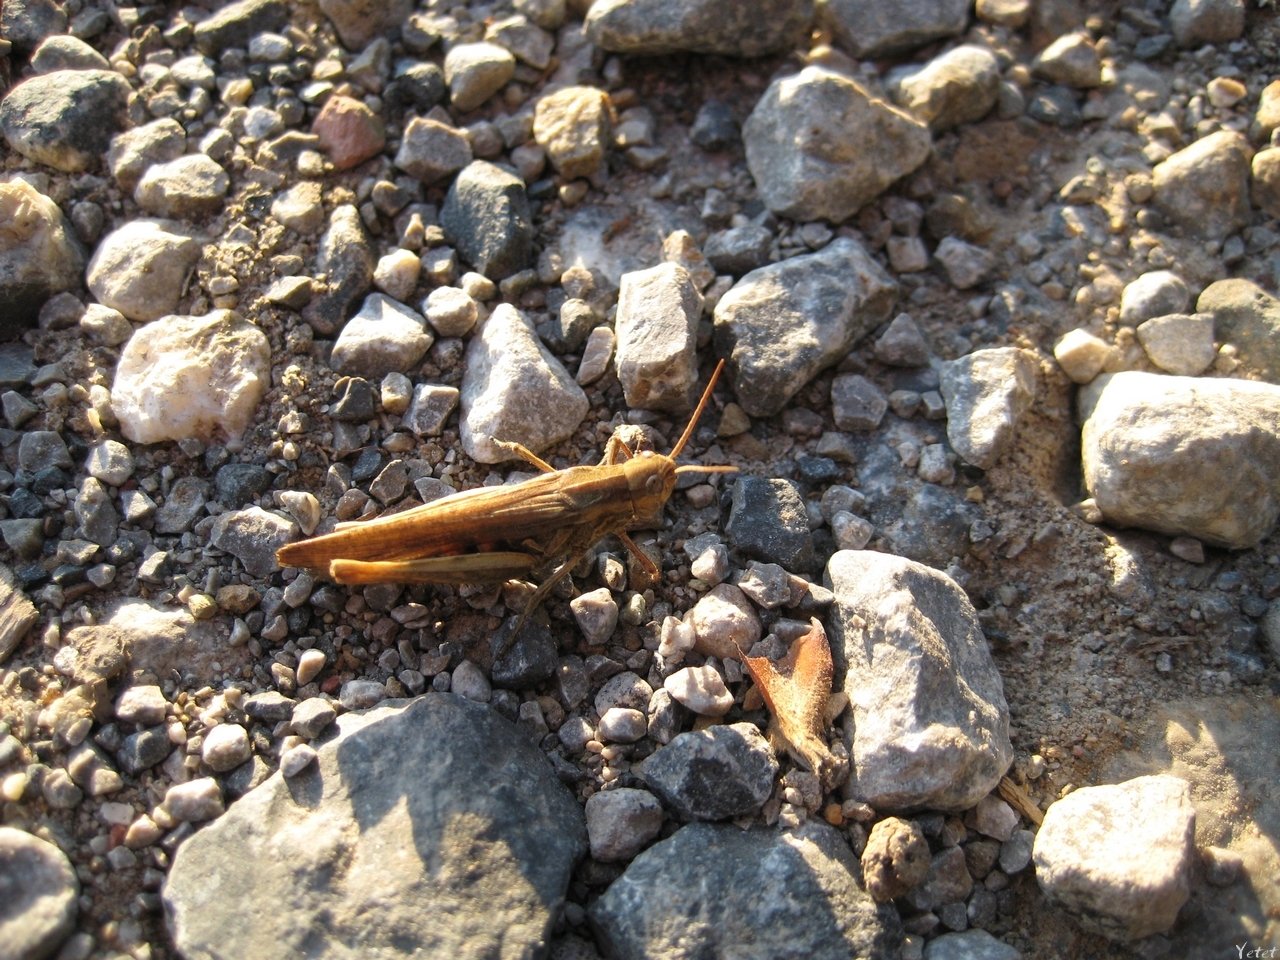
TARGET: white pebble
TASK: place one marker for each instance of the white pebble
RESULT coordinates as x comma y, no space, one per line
310,663
622,725
701,689
597,614
296,759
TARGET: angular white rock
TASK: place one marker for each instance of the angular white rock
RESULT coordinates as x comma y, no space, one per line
184,376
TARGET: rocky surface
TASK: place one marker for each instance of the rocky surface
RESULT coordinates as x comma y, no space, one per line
995,285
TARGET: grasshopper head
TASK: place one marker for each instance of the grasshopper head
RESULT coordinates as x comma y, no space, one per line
651,477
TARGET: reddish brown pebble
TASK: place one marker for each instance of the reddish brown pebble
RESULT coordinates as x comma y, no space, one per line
350,133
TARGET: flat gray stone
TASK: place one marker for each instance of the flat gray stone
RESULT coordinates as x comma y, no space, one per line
870,30
744,29
715,890
428,827
713,774
986,393
656,326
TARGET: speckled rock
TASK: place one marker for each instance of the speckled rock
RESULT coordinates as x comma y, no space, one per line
870,30
142,267
778,893
650,27
65,119
486,216
384,336
713,774
986,393
656,327
1204,187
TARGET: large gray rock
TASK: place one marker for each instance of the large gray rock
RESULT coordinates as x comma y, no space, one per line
986,392
928,726
429,827
1188,456
869,30
233,24
821,146
656,324
66,119
781,325
748,28
38,891
360,21
714,891
1248,318
1120,858
384,336
513,389
1204,188
346,260
39,255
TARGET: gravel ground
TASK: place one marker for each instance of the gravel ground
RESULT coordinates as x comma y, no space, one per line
294,264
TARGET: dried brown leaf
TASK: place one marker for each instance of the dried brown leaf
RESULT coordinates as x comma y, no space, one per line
796,692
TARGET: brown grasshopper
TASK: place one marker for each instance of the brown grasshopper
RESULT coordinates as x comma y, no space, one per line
492,534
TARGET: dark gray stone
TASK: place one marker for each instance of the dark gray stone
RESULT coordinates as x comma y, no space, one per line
428,827
781,325
869,30
236,484
738,250
66,119
712,774
270,706
486,217
25,23
347,261
234,24
143,749
530,661
768,521
714,890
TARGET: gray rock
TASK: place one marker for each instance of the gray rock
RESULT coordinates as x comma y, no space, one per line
1247,317
1120,858
768,521
1071,61
184,503
142,750
529,43
38,894
869,30
141,268
486,216
346,259
959,86
713,774
359,22
96,516
857,403
1179,343
476,71
194,185
233,24
311,717
39,256
928,725
966,265
62,52
986,393
225,747
384,336
821,146
195,800
620,823
361,694
110,461
1183,455
252,536
430,408
431,150
969,945
649,27
41,449
781,325
493,837
738,250
513,389
181,377
656,326
1015,853
902,344
65,119
1204,188
1197,22
624,689
27,23
270,706
1155,293
777,893
621,725
142,704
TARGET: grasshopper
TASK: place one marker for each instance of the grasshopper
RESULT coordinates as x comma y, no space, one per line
493,534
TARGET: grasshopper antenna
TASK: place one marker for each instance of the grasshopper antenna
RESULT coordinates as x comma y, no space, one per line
702,405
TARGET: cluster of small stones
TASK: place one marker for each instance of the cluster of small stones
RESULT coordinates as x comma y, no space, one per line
271,269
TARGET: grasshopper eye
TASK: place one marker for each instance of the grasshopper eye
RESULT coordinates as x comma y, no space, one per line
653,485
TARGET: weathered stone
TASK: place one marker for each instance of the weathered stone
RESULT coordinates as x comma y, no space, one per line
746,29
1204,188
39,255
656,327
986,393
65,119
